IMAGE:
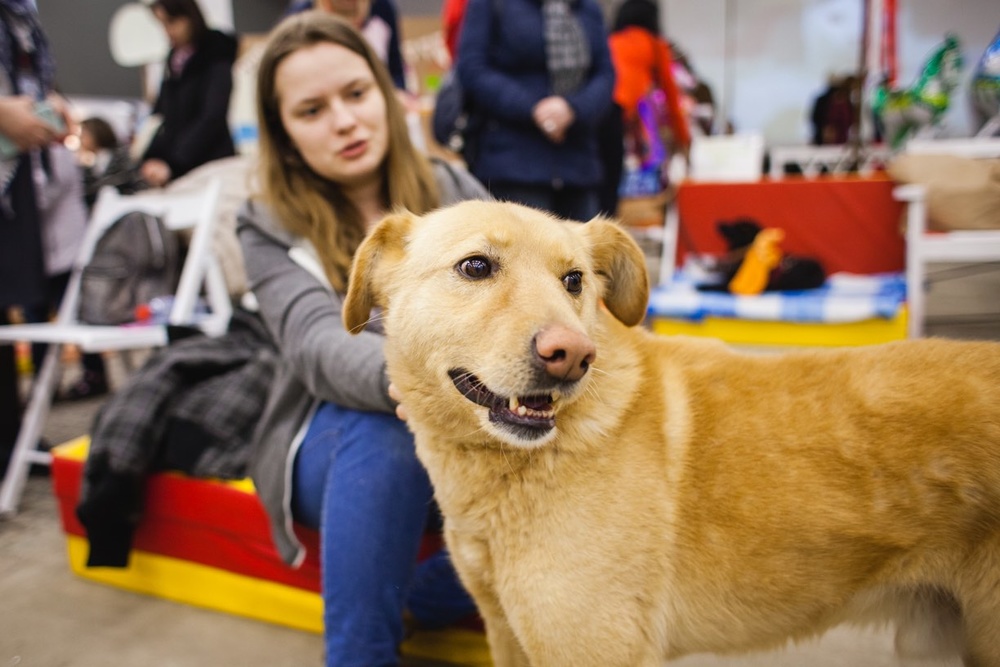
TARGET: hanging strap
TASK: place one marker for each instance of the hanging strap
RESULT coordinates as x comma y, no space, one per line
887,57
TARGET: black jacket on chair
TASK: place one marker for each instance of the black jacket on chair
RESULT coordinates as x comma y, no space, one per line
194,106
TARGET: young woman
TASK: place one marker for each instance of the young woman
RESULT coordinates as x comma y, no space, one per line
194,96
335,157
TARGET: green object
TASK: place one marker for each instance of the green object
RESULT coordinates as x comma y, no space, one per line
904,112
432,82
44,111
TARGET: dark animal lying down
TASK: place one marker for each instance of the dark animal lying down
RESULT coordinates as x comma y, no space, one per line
792,273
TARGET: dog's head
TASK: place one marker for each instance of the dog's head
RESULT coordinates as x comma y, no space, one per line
739,233
494,311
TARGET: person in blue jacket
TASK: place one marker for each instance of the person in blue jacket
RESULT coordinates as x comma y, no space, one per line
539,76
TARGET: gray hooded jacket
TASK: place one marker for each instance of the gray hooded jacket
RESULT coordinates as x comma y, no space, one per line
320,361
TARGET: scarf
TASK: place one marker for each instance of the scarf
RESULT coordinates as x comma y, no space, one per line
566,49
19,22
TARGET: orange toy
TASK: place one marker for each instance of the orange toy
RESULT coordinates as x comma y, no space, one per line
761,258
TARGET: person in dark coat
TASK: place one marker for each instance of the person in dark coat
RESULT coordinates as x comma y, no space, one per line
194,96
27,76
833,113
540,79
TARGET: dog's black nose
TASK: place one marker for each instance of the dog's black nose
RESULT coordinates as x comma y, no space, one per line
565,353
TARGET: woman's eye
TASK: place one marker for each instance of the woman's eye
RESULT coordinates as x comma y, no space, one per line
476,268
359,90
573,282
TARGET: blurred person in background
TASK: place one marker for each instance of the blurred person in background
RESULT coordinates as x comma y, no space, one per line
193,102
27,77
643,62
377,20
540,78
105,161
452,15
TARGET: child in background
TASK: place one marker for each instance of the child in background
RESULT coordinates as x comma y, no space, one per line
102,162
105,161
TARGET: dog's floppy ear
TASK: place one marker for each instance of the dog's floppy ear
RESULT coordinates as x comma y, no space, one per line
620,261
378,253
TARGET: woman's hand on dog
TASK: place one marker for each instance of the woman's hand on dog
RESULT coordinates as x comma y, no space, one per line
397,396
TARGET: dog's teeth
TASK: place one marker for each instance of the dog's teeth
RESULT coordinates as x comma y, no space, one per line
555,395
521,410
514,404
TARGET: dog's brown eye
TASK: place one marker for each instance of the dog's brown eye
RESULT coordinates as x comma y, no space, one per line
476,268
573,282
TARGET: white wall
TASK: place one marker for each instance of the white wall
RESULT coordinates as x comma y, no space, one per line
779,53
218,13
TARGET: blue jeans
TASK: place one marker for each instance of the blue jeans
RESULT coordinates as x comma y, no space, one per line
358,481
571,203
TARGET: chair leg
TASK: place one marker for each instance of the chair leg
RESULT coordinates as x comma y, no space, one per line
668,248
916,260
916,298
128,359
26,447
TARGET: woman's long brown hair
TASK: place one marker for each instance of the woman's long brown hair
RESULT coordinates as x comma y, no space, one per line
305,203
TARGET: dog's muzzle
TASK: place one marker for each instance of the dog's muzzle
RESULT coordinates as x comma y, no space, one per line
528,417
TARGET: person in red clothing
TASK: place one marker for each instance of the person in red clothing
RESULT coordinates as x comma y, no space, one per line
643,61
452,13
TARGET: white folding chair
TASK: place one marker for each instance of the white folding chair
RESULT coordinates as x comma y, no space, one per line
732,158
832,159
923,246
737,158
195,211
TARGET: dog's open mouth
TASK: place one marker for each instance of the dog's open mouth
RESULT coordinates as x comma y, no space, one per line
529,417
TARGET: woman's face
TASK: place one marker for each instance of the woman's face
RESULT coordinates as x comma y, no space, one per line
334,113
178,28
87,141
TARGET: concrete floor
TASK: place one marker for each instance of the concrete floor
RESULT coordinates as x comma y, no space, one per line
50,618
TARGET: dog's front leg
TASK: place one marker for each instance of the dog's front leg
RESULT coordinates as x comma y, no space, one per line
474,564
505,649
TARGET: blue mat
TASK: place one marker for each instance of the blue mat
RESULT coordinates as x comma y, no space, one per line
844,298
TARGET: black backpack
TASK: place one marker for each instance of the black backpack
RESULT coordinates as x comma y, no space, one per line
454,123
137,258
451,115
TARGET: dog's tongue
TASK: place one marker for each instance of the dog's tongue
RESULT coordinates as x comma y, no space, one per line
536,402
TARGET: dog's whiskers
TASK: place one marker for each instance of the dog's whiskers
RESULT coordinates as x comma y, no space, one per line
371,319
592,391
599,370
467,375
378,317
503,451
479,430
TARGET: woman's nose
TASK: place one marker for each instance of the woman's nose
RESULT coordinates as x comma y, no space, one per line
342,118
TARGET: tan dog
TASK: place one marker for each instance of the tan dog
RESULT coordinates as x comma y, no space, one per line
614,498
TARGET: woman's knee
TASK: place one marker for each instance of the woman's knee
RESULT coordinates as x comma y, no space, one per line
373,445
386,438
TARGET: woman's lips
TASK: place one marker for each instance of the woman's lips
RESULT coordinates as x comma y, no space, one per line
354,150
